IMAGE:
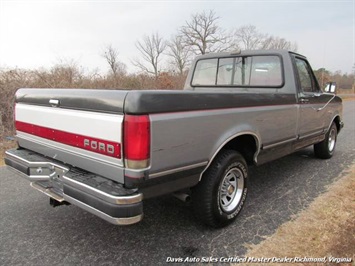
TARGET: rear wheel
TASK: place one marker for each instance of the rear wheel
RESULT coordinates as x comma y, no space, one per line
220,195
325,149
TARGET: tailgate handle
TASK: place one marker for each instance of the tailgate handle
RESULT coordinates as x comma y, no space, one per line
54,102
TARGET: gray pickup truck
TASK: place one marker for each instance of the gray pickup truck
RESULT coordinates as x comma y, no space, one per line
108,150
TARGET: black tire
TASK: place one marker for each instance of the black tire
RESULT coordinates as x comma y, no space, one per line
220,195
326,148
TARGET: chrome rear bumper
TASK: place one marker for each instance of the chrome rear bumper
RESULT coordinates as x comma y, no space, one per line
101,196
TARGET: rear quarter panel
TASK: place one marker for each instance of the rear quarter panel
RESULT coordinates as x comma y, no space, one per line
188,138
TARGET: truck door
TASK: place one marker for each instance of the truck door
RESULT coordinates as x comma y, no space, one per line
310,100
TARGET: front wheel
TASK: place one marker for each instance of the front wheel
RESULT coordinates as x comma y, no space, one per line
219,197
325,149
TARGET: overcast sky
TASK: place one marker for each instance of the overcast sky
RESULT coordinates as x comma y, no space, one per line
36,34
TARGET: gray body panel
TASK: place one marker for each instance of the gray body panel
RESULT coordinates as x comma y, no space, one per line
174,136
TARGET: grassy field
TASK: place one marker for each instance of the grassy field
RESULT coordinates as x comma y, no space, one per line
325,229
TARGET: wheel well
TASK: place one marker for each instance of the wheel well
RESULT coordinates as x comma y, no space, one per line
337,122
246,145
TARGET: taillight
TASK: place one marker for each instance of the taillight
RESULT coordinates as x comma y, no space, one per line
136,141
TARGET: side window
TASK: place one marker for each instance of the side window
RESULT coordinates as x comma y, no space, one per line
305,77
205,72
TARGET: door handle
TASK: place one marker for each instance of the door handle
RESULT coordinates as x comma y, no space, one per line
304,100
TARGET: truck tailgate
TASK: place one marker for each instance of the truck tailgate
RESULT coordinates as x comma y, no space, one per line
82,128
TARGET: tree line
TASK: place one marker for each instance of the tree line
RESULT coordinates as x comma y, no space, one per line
201,34
345,82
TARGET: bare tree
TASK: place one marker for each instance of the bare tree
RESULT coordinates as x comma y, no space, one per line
248,37
278,43
203,34
179,52
110,54
151,48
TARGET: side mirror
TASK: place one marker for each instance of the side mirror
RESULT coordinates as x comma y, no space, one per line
330,87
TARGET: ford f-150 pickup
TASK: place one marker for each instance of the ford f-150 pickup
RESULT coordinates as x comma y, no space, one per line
108,150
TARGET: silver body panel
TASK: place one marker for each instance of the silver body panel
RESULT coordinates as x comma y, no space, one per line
78,123
95,163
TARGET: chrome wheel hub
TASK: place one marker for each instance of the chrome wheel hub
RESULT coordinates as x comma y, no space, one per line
231,189
331,140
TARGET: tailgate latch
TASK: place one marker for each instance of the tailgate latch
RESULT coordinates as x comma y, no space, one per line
54,102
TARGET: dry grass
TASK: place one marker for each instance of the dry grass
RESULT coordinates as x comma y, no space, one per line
72,76
347,97
3,147
326,228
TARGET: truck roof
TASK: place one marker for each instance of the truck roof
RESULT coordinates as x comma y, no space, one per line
248,52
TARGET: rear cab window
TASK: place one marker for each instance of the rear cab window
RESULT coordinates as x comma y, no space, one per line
243,71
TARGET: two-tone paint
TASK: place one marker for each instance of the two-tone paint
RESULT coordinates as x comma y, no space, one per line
188,128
